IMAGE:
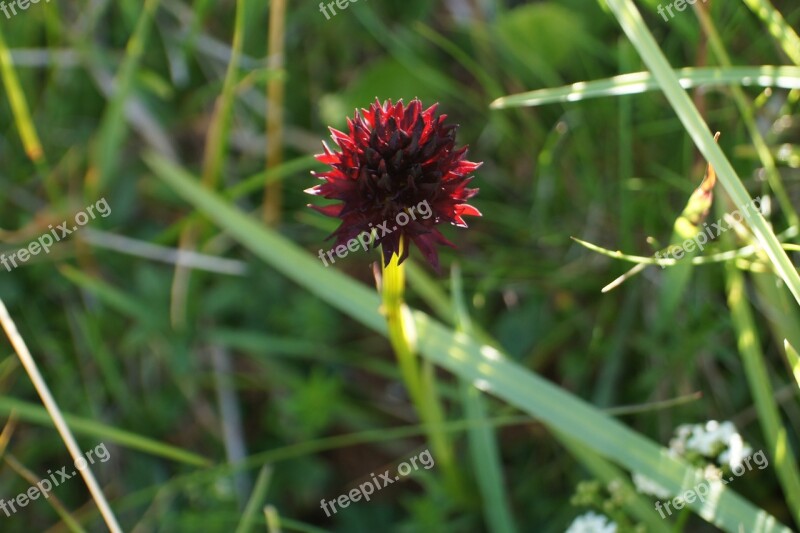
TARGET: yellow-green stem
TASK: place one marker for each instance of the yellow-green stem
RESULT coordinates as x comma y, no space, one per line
420,382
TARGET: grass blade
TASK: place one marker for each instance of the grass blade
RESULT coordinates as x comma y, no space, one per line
794,360
54,411
255,502
83,426
19,106
112,128
778,27
482,439
632,23
753,358
470,360
641,82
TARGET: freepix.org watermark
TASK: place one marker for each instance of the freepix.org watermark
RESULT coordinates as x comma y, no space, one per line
678,5
341,4
367,237
703,489
366,489
44,486
699,241
47,240
22,4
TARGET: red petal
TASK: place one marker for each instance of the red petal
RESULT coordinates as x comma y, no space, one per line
466,209
328,210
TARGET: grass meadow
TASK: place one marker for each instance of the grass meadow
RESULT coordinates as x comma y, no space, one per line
610,347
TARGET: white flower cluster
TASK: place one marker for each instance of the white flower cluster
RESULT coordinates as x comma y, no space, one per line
592,522
714,440
717,442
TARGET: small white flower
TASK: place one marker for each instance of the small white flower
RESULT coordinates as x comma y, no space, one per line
592,522
677,446
736,452
645,485
705,439
713,439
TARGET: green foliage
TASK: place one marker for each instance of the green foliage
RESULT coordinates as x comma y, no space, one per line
274,384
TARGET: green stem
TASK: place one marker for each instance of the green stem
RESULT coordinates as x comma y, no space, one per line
420,382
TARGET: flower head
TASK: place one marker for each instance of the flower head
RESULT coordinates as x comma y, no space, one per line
398,174
712,440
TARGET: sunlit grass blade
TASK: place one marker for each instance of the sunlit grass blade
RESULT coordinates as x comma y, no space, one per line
777,308
794,360
56,416
19,106
273,519
473,361
253,508
84,426
772,427
783,33
641,82
634,26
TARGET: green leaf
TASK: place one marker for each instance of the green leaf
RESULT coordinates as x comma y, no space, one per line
641,82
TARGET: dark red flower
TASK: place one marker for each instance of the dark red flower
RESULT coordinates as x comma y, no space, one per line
397,160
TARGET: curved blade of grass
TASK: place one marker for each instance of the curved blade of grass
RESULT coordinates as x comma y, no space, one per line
19,106
470,360
83,426
111,133
641,82
776,306
794,360
778,27
251,511
769,417
632,23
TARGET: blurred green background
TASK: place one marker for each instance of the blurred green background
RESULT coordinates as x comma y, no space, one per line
182,375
